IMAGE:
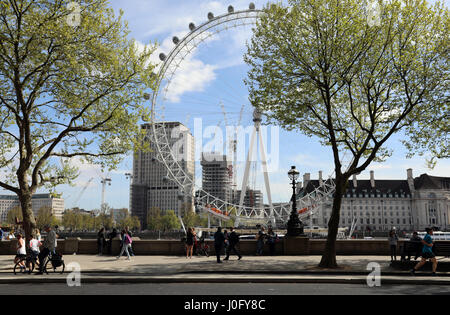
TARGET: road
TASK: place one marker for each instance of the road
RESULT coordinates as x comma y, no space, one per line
233,290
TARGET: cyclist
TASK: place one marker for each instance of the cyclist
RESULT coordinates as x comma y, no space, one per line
21,251
49,246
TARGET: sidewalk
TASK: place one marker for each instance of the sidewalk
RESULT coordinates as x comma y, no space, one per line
352,269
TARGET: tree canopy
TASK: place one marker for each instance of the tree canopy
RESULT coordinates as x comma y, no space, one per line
69,88
351,76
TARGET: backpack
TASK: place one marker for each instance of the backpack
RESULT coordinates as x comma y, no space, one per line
128,239
57,260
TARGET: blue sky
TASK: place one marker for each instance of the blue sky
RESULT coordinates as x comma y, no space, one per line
214,74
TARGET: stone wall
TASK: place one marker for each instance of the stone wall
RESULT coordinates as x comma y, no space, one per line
301,246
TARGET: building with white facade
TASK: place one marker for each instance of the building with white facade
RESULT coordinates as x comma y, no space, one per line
151,187
381,205
38,201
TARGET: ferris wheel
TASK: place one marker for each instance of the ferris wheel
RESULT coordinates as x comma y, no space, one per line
205,201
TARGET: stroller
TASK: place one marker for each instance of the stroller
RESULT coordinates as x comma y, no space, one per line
201,247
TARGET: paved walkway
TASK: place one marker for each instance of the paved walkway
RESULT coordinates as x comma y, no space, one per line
353,269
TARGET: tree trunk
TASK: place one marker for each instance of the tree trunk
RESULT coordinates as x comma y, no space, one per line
329,256
29,221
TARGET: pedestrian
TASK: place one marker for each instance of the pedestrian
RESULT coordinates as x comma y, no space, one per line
130,234
272,239
219,241
1,234
126,241
34,247
427,253
227,242
189,243
21,251
49,246
111,236
233,239
393,239
260,238
417,241
101,241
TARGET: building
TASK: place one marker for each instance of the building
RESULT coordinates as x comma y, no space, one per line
253,198
38,201
381,205
151,186
217,177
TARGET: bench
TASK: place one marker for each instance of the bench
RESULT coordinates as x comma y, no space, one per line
441,249
414,248
411,248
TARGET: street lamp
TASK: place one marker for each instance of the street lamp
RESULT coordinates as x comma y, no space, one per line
294,225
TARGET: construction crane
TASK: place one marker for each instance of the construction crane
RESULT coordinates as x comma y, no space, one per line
83,190
104,181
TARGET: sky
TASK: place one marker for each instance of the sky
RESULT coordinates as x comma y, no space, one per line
210,76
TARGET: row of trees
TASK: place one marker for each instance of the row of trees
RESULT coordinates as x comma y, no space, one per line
75,220
159,221
44,217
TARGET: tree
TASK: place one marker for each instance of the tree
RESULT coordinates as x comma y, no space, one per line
14,213
154,222
170,221
71,86
45,217
335,71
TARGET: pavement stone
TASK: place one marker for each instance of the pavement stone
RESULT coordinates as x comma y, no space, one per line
106,269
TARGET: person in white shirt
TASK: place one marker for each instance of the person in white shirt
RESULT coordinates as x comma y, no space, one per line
21,251
34,246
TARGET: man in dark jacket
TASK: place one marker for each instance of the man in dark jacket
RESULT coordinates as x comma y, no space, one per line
219,241
233,239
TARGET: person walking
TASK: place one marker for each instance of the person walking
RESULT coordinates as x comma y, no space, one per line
34,247
427,253
49,246
130,234
393,239
111,236
233,239
189,243
126,244
272,239
1,234
260,238
21,251
101,241
219,241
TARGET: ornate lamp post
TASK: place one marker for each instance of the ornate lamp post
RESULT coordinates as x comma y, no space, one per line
294,225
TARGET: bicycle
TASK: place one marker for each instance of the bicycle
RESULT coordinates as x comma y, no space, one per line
54,261
29,261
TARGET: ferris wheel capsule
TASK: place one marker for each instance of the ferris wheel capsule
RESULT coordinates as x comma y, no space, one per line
251,6
192,27
210,16
230,9
162,56
175,40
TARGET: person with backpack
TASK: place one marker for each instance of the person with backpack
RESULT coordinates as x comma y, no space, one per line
233,240
126,241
